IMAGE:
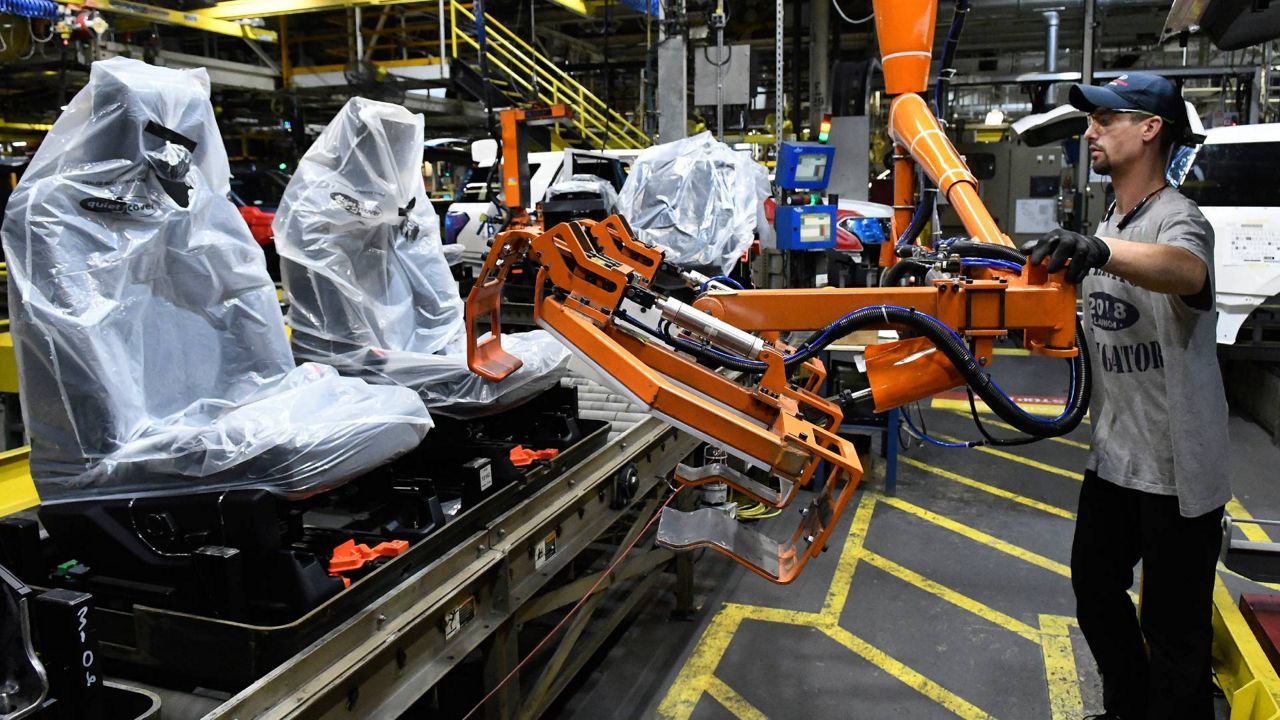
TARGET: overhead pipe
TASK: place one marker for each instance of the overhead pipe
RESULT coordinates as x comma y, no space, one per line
905,29
1033,6
1051,20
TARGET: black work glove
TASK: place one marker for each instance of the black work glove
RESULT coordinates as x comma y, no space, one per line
1085,252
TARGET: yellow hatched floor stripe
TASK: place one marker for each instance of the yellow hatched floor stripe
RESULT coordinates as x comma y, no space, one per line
841,582
1018,459
732,701
961,601
1065,702
1256,533
963,406
978,536
1007,426
682,697
921,684
698,674
998,492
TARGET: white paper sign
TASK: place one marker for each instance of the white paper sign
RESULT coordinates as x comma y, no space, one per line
1035,215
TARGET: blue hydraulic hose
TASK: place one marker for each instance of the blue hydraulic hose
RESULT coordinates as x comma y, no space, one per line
721,279
992,263
915,431
37,9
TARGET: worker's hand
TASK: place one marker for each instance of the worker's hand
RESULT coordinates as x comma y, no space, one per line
1085,252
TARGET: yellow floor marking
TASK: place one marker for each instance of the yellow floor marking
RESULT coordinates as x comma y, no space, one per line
963,406
1065,702
978,536
1256,533
1243,670
698,674
921,684
998,492
682,697
732,701
1007,426
1018,459
963,602
1252,532
1224,569
838,593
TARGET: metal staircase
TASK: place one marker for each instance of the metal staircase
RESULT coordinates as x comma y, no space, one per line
517,74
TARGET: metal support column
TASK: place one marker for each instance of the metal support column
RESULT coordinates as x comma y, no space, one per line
779,106
501,654
819,61
673,79
797,120
685,607
1086,77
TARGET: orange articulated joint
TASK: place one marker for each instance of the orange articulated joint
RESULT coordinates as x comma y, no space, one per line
913,126
905,29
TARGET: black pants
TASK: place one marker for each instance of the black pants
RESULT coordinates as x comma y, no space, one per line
1156,669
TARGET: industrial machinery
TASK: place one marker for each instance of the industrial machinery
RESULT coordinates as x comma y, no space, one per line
595,292
803,220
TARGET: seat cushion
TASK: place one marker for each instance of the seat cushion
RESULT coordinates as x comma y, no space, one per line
306,431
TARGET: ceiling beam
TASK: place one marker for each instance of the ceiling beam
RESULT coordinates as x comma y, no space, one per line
240,9
169,16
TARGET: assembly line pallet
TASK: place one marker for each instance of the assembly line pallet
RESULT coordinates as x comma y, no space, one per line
476,595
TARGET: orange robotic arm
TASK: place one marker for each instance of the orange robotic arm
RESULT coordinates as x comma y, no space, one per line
595,293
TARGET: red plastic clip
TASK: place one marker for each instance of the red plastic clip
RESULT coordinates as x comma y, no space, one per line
524,457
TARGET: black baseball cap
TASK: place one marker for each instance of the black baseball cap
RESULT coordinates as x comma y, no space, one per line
1139,91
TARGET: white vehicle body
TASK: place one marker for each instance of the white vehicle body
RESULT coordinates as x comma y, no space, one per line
545,170
1233,182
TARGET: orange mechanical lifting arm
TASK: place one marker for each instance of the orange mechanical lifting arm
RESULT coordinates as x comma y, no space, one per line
594,292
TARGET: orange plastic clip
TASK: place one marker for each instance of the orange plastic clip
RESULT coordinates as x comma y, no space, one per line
349,556
524,457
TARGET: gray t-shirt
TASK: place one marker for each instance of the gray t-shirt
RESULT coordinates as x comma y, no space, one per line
1159,411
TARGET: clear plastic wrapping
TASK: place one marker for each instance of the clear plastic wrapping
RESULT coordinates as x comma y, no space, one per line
369,286
151,349
584,184
697,198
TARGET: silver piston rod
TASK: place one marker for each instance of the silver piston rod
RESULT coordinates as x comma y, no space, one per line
716,331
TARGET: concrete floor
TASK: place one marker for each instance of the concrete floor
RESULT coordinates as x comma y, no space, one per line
951,598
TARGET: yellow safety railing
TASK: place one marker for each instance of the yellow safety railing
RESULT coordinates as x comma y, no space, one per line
597,123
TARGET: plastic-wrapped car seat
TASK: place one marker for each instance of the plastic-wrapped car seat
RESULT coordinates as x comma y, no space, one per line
369,287
151,349
697,198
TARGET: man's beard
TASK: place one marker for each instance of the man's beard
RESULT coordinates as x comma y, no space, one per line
1102,165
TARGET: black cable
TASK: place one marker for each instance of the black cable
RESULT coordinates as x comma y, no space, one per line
924,211
990,440
989,251
728,57
945,68
894,276
944,339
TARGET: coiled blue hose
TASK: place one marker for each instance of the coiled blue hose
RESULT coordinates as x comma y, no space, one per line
37,9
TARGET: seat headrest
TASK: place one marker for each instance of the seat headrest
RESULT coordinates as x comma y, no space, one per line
134,113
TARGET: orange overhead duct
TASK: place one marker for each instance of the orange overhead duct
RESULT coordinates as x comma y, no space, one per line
905,29
913,126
